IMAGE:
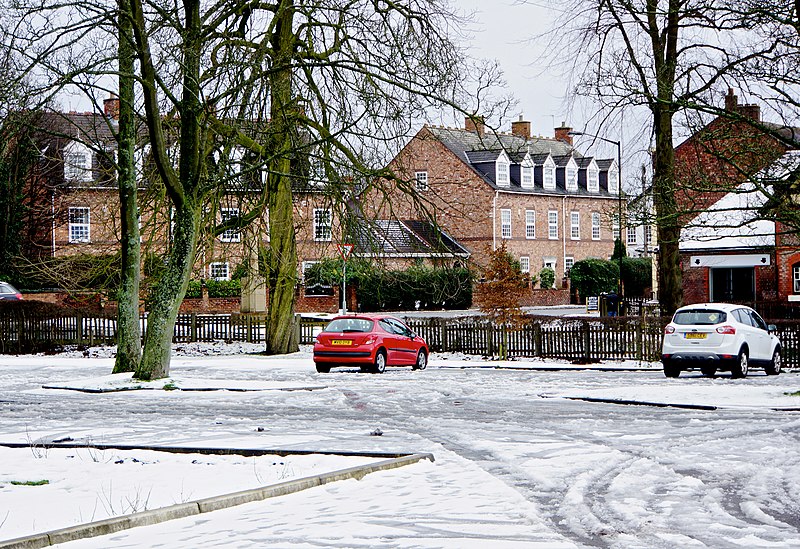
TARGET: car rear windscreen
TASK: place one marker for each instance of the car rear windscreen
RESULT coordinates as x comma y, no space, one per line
699,317
349,325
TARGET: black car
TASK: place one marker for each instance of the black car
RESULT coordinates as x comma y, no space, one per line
9,292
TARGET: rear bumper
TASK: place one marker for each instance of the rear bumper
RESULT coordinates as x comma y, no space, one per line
343,357
685,360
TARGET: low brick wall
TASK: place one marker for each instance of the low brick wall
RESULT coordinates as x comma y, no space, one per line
533,297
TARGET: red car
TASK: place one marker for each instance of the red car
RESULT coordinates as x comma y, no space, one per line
371,342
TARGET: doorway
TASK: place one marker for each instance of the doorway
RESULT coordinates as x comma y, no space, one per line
733,284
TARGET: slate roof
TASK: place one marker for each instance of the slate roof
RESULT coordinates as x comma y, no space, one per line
406,238
480,153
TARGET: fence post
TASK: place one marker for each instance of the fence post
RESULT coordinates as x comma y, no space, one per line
78,328
537,339
296,327
193,327
443,335
587,354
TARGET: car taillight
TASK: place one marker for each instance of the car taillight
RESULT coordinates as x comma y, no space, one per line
19,296
726,330
370,340
670,329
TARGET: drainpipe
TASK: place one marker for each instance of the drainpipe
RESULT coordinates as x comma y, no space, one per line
53,221
564,234
494,220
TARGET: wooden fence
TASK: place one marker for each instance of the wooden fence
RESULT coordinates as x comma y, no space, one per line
585,340
576,340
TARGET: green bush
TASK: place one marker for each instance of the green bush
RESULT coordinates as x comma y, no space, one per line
636,275
216,288
547,277
594,276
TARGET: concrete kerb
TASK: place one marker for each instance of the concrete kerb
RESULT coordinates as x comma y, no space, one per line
206,505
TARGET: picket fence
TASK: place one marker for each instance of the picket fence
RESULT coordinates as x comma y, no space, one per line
576,340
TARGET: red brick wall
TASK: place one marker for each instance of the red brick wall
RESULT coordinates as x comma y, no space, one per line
696,280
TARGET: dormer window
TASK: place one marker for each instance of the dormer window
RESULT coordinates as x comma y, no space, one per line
526,173
572,177
592,179
549,174
502,167
613,181
77,162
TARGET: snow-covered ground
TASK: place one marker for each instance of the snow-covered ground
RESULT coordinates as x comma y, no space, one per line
519,463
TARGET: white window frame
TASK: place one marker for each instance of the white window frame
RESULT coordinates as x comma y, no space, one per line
549,174
569,261
505,223
796,278
615,233
574,225
80,227
323,228
526,175
595,226
552,224
648,234
77,162
229,235
525,264
530,224
613,182
217,268
502,172
592,179
631,235
421,181
571,176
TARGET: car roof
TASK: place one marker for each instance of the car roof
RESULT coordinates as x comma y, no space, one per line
727,307
366,316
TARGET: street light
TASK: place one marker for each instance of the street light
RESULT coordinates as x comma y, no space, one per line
619,195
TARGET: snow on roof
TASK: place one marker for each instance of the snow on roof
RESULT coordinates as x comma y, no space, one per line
734,220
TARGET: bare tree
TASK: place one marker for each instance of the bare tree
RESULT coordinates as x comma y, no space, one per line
665,56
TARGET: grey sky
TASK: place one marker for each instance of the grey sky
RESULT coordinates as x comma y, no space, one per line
505,30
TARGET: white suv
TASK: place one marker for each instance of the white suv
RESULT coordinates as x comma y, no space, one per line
719,336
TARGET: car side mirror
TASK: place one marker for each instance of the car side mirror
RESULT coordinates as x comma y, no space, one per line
771,328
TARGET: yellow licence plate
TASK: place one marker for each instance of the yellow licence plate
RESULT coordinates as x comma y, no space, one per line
341,342
695,336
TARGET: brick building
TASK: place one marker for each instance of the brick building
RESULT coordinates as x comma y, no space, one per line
546,201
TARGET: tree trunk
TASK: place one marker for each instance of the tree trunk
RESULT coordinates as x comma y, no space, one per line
129,337
670,284
168,295
283,257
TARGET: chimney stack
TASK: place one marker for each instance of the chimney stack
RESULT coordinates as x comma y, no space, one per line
752,111
562,133
521,128
111,107
475,124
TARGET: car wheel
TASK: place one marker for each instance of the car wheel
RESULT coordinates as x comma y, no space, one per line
742,365
671,371
422,361
380,362
775,365
708,371
323,368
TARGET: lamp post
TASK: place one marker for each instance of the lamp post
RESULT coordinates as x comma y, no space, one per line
619,195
